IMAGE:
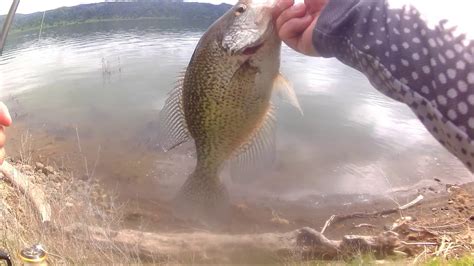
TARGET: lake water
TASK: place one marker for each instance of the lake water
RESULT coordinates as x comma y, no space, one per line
96,90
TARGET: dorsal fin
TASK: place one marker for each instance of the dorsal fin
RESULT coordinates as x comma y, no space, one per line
173,129
258,154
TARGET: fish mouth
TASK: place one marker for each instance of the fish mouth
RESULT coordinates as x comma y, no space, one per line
252,50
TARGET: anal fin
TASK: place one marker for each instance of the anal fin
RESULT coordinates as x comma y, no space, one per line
258,154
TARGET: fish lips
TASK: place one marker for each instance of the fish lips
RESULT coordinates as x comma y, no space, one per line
245,51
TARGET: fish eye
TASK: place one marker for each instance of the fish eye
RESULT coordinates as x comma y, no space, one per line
240,9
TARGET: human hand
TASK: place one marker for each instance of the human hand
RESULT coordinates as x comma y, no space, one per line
295,23
5,121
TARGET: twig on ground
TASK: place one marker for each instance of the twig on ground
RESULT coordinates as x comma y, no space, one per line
446,226
411,203
32,191
338,218
364,225
328,223
418,243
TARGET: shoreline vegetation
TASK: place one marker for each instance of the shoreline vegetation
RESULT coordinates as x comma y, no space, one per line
91,21
107,12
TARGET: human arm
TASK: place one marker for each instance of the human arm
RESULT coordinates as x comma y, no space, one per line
429,67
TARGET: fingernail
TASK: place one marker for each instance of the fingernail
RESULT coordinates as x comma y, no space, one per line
299,6
283,4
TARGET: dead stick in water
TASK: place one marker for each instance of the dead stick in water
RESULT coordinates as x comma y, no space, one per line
34,194
339,218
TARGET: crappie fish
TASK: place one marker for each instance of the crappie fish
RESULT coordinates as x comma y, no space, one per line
223,102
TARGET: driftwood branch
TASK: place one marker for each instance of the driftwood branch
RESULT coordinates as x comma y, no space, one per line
34,194
200,247
339,218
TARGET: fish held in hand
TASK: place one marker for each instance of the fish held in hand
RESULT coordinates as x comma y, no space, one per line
223,103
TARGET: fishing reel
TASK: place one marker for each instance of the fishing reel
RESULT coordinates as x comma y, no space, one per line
6,257
34,255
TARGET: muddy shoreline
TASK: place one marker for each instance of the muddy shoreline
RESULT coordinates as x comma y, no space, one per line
445,214
251,213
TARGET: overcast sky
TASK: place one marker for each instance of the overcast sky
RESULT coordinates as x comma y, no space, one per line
31,6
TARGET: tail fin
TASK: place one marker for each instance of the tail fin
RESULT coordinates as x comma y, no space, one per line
203,196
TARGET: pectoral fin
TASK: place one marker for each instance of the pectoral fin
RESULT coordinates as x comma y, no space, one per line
284,89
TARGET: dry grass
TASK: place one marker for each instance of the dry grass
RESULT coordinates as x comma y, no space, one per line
72,201
26,148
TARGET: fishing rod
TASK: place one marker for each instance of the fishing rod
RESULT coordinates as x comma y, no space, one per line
7,24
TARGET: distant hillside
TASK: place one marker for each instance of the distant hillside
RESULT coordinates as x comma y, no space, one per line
120,11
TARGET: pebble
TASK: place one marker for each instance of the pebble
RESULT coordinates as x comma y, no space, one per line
48,170
39,166
280,221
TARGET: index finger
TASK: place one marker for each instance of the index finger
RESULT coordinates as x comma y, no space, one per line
280,6
315,6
